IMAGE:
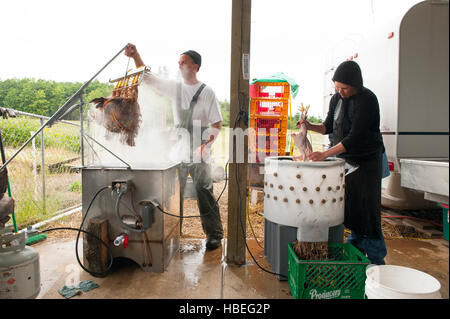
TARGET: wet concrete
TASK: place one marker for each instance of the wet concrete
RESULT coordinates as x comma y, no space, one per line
195,273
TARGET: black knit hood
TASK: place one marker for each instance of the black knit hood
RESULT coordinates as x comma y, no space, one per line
349,73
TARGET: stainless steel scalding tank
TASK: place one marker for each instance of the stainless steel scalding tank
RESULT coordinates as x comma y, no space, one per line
152,170
158,185
306,195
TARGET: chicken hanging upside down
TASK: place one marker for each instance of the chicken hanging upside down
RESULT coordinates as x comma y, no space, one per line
301,138
121,114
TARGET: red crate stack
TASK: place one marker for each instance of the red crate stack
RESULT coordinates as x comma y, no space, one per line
269,105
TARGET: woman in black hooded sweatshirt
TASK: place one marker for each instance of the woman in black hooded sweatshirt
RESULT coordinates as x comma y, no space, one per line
354,120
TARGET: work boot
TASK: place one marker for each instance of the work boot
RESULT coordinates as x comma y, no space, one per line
212,244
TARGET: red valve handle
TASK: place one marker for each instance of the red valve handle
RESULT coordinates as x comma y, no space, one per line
125,241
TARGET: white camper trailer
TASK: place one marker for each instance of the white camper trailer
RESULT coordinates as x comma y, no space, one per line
405,62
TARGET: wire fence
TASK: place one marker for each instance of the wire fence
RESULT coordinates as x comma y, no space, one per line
44,178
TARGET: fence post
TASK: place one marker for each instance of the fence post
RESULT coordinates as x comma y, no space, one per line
43,166
81,129
33,154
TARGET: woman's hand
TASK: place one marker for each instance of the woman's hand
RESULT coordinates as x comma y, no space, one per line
302,121
321,156
317,156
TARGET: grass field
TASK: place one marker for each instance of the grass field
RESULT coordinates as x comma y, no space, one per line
25,174
27,186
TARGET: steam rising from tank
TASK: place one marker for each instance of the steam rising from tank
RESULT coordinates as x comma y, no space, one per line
154,142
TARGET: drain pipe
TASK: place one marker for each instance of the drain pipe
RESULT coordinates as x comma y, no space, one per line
63,213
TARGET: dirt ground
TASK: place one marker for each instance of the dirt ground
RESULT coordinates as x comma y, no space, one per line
192,227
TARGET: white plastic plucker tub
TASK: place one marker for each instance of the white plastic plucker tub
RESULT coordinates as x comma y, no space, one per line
306,195
397,282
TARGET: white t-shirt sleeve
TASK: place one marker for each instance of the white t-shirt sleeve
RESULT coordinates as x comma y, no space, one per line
162,86
213,113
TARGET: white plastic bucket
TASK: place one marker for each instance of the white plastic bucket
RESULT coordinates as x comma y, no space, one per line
397,282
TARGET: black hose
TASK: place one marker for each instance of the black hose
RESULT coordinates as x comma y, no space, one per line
243,116
93,273
211,209
243,231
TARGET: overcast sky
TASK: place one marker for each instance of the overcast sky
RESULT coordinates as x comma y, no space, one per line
71,40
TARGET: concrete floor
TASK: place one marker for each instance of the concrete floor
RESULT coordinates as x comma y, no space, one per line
195,273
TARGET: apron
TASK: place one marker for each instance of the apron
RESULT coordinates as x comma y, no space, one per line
200,173
185,116
362,185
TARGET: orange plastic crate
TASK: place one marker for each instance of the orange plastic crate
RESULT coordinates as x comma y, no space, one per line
271,141
268,107
261,154
279,123
276,90
274,143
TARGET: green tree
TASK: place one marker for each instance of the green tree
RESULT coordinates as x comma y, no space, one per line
12,98
315,120
296,118
225,110
39,103
45,97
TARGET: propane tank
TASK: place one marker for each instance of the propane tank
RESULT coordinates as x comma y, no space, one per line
19,267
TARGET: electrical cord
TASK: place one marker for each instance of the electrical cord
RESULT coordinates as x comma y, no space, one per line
248,207
80,230
243,231
242,114
243,117
211,208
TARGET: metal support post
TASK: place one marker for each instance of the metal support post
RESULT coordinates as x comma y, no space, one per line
43,166
82,129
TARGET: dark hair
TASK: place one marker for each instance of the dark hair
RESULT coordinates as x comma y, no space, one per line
196,57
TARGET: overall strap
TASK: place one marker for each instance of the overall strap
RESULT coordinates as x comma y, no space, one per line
193,103
195,97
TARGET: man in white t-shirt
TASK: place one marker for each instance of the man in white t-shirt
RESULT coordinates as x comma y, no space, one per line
196,110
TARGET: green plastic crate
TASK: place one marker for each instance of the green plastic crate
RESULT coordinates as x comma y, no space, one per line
343,276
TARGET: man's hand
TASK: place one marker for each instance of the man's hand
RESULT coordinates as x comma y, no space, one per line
131,51
203,151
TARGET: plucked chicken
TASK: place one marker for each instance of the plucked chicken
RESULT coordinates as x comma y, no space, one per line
301,138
